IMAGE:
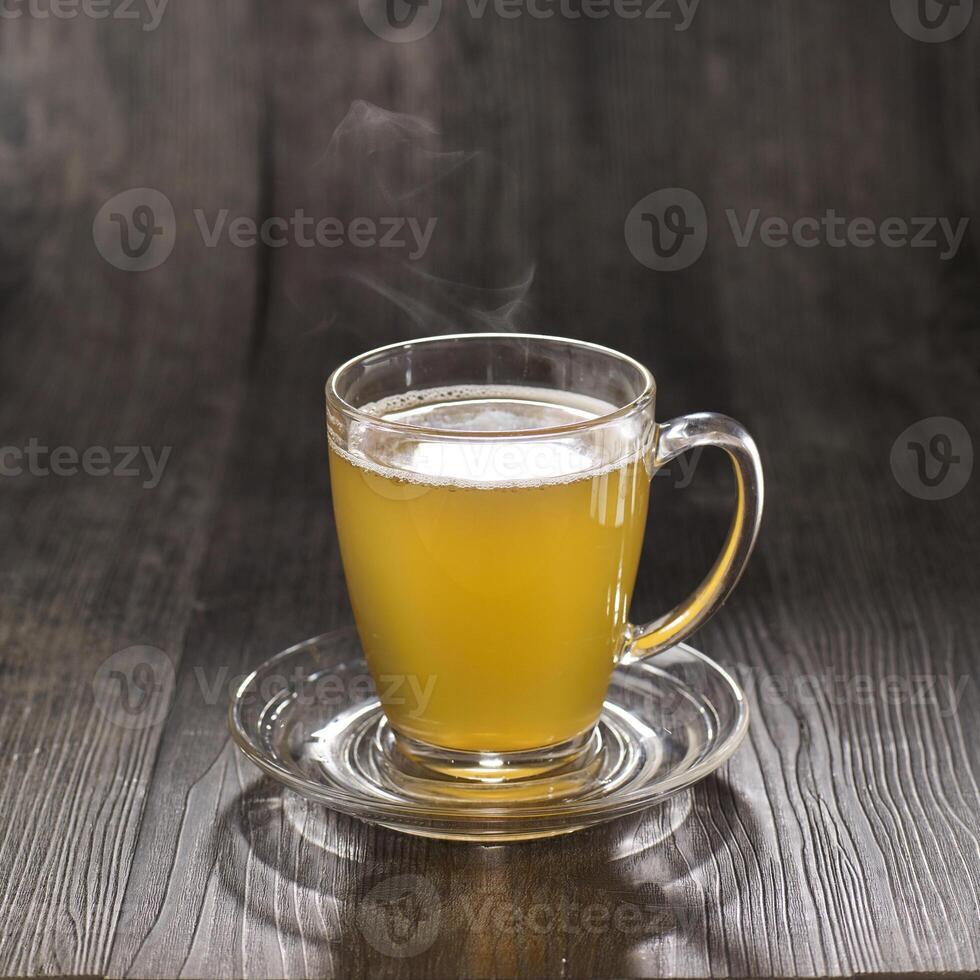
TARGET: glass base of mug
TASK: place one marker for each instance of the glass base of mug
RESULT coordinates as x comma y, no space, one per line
499,767
427,772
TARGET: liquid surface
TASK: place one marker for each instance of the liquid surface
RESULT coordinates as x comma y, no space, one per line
491,580
513,450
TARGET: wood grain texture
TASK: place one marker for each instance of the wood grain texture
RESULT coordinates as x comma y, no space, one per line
92,356
843,836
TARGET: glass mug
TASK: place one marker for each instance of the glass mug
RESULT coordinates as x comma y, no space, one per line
490,494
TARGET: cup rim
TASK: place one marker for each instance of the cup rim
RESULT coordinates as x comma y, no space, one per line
338,403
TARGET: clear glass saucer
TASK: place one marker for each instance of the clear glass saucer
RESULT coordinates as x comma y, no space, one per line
310,718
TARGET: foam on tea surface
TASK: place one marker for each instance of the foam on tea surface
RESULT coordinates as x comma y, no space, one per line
521,458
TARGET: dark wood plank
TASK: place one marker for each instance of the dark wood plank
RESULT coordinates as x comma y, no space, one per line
95,356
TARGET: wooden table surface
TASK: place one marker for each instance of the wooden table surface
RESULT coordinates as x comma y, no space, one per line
843,836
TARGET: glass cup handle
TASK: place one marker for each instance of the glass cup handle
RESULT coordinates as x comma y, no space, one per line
674,438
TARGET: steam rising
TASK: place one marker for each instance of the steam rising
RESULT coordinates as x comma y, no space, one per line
469,274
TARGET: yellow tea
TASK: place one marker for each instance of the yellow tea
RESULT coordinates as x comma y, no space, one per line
491,577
